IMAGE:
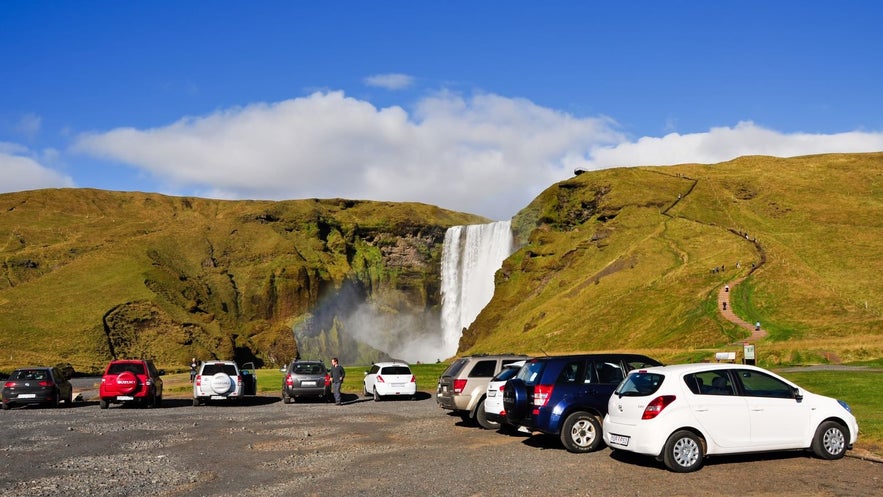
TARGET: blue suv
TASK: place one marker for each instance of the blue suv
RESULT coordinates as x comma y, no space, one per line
567,395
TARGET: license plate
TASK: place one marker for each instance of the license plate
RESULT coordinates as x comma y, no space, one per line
397,385
619,440
217,397
308,383
125,397
27,395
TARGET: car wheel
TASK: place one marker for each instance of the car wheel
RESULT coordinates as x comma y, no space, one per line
56,402
376,395
683,452
483,421
286,399
830,440
69,400
5,406
195,402
581,432
102,404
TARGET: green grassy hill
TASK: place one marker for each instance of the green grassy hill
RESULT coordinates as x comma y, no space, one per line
86,275
623,259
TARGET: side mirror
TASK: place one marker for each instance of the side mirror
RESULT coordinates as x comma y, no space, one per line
282,370
797,395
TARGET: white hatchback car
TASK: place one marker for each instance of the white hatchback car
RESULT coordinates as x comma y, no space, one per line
494,414
680,414
390,379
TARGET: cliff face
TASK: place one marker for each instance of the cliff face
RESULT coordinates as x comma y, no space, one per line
88,275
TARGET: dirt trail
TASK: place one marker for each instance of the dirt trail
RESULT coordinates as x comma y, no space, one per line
723,297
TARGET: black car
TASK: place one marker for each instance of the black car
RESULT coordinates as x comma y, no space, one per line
567,395
37,385
306,379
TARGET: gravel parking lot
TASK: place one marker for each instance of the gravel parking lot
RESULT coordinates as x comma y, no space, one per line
263,447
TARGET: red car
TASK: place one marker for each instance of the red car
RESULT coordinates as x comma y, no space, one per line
131,381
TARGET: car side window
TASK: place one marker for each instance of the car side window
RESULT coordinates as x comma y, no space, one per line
710,383
484,369
609,372
757,384
569,373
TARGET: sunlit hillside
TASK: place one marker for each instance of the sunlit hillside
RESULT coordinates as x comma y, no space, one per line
633,259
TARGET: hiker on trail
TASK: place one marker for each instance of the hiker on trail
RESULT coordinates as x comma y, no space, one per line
725,305
727,288
757,326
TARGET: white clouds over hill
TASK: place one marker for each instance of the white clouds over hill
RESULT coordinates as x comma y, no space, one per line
486,154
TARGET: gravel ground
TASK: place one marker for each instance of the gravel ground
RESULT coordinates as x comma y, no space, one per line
263,447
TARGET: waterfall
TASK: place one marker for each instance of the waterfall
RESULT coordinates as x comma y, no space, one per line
471,256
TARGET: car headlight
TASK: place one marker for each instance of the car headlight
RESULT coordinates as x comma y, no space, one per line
845,406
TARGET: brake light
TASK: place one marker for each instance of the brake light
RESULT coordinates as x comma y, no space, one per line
45,383
239,380
656,406
9,384
198,380
459,386
379,379
327,379
288,380
541,394
413,379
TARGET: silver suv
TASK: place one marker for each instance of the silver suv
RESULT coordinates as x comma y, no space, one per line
306,379
222,380
462,388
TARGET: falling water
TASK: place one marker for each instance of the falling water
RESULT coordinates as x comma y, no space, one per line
472,254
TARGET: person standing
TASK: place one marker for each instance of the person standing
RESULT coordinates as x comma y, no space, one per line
337,375
193,366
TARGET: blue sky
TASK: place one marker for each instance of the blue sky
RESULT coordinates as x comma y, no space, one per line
472,106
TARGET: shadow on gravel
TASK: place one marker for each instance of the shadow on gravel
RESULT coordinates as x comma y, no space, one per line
651,462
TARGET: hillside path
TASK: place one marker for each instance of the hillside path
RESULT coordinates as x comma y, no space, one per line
723,296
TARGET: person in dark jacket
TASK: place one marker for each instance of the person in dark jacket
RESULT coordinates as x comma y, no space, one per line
337,375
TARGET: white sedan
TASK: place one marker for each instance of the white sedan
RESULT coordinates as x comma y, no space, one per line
680,414
390,379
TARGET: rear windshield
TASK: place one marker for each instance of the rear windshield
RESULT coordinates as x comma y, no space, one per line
506,374
455,367
212,369
640,384
396,370
30,374
531,372
308,369
122,367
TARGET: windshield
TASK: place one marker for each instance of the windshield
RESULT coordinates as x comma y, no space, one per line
506,374
639,384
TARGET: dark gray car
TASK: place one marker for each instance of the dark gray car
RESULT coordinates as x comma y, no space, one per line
306,378
37,385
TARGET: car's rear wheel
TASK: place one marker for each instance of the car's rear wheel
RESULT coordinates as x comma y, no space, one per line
195,402
483,421
830,440
683,452
376,395
102,404
287,399
581,432
5,406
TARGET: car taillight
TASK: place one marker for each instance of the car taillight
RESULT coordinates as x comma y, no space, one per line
9,384
459,386
239,380
327,379
288,380
380,379
541,394
413,379
45,383
656,406
197,381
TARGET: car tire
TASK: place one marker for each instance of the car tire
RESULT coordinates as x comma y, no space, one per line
286,399
195,402
483,421
69,400
830,440
130,380
5,406
102,404
581,432
683,452
376,395
515,400
221,383
56,402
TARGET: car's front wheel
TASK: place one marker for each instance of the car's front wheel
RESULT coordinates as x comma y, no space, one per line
581,432
683,452
830,440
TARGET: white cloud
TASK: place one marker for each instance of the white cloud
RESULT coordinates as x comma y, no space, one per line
488,155
390,81
724,143
29,125
21,172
